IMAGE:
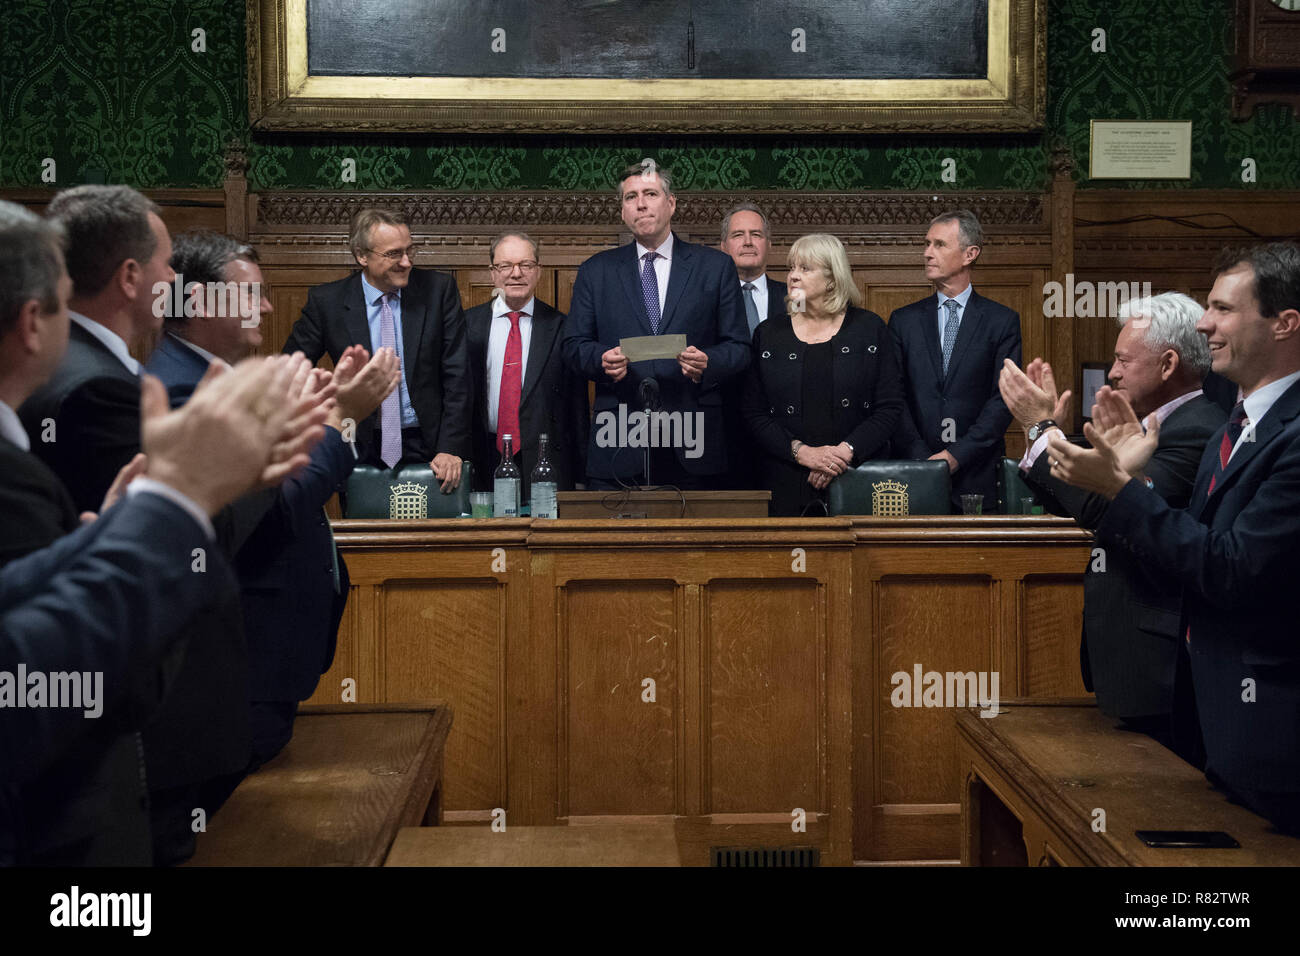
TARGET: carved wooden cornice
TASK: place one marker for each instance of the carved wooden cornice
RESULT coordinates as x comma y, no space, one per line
788,212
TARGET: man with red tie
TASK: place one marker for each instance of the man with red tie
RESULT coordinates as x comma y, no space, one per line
1233,549
521,385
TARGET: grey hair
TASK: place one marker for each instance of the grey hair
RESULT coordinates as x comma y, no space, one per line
365,220
105,226
1173,317
645,167
744,207
969,230
514,234
202,256
31,263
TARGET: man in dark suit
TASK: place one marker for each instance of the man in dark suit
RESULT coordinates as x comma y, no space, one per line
747,239
417,313
104,600
656,285
953,346
71,789
1130,644
293,581
1233,549
521,385
85,424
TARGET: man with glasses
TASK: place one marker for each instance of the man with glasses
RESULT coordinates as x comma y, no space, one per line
521,384
417,312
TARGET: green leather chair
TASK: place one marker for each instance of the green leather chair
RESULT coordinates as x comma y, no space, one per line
410,491
892,488
1013,491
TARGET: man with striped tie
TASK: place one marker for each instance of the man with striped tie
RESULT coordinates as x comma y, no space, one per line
953,347
1233,549
658,284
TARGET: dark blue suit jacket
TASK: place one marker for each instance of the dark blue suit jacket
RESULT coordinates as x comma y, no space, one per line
286,575
968,394
703,303
113,597
1234,554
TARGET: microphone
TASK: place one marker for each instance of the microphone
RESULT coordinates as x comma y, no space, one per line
648,394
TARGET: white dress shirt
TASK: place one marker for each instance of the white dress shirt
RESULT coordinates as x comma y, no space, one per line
1161,413
1257,405
663,265
496,352
12,429
111,340
760,295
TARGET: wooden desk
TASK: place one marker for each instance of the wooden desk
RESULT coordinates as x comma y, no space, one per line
771,644
624,844
1034,775
352,776
663,504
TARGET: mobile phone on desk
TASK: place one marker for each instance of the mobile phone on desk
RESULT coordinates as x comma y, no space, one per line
1188,839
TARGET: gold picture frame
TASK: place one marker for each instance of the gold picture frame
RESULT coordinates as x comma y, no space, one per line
283,95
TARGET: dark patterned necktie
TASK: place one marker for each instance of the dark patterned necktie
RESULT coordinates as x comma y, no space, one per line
650,290
1235,425
949,331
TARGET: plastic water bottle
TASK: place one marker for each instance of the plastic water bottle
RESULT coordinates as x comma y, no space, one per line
543,482
505,482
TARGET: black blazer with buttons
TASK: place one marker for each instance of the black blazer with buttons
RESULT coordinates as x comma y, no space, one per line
867,382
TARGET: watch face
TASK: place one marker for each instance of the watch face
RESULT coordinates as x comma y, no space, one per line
1286,4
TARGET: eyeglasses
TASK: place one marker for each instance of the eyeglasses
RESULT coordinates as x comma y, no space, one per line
505,268
395,255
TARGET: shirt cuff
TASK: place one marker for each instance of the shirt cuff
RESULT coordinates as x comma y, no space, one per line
153,486
1034,450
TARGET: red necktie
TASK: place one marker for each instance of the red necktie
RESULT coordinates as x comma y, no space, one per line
1235,426
512,381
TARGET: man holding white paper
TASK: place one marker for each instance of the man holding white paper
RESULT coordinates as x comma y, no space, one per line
681,304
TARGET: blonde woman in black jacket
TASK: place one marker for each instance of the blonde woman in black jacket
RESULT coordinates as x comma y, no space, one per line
824,392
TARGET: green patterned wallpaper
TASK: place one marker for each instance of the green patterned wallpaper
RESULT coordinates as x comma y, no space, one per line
111,90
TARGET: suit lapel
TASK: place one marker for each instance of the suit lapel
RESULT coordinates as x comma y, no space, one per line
965,332
355,313
1276,419
929,322
546,326
775,299
415,308
679,273
629,269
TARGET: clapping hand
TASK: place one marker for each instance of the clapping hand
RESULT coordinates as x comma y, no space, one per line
1114,419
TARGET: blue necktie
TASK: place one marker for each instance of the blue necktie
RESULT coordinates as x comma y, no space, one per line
949,331
650,290
751,307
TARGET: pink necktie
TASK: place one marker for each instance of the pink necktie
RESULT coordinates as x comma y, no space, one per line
390,415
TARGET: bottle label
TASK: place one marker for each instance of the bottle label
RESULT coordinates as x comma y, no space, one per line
505,498
544,505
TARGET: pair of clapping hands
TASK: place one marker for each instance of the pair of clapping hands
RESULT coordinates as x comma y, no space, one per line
1121,447
252,426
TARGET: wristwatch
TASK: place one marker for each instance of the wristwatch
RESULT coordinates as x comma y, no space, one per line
795,445
1036,430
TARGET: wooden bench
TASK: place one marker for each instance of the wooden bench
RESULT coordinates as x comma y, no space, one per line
1034,776
353,775
622,844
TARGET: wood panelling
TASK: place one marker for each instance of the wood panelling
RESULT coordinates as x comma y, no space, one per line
618,751
771,644
765,695
974,596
